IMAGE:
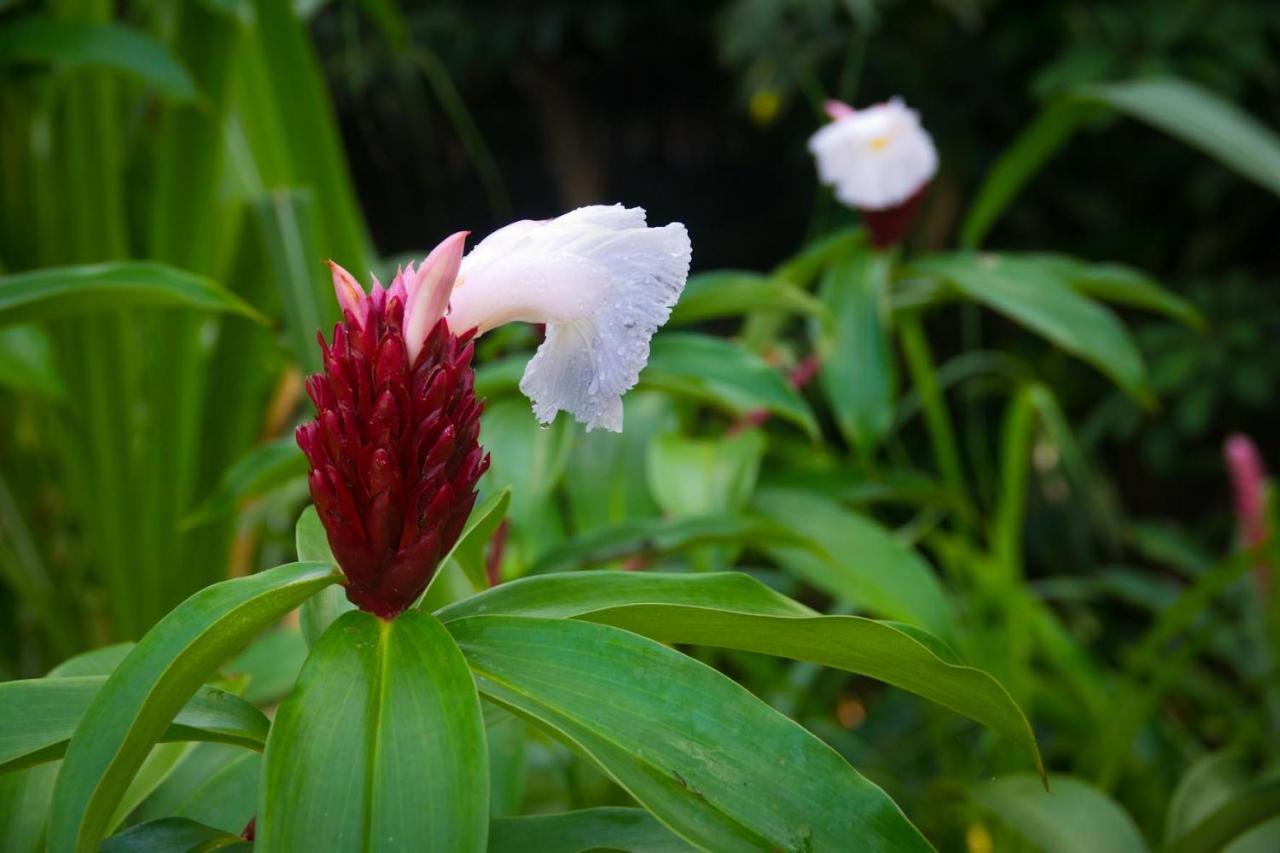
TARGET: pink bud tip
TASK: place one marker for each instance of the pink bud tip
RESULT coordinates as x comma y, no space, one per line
837,110
429,288
351,296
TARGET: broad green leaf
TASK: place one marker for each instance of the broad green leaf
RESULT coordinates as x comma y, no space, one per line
322,609
725,375
701,477
380,745
67,45
888,653
708,759
56,292
806,265
145,692
563,596
1018,163
263,469
855,559
732,292
173,834
469,549
1199,118
652,537
1036,297
43,713
857,373
1119,284
1074,818
610,828
27,364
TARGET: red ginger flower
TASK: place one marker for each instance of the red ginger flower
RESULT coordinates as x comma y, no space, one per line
394,449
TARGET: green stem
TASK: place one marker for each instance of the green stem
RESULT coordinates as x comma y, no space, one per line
924,376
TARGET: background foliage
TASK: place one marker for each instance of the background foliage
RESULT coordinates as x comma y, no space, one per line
1049,502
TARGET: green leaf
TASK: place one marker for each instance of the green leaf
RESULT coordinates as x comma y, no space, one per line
526,457
469,549
216,785
563,596
729,293
270,664
1039,299
144,694
700,477
380,745
882,651
44,713
857,372
322,609
1199,118
56,292
27,364
1235,823
174,834
101,661
708,759
612,828
1119,284
1075,818
287,234
855,559
652,537
67,45
263,469
1018,163
725,375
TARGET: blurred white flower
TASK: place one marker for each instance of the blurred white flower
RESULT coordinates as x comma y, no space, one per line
600,279
875,158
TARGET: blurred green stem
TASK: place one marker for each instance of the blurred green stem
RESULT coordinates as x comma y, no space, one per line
924,376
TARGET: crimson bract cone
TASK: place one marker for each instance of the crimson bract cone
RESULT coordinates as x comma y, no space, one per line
394,451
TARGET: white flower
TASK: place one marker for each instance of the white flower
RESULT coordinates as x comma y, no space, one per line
600,279
875,158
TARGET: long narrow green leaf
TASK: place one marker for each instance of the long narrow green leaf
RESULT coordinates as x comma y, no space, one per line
850,643
1244,811
144,694
655,537
1034,296
1018,164
288,240
65,44
171,834
708,759
852,557
267,466
61,291
43,713
612,828
27,364
563,596
380,746
1199,118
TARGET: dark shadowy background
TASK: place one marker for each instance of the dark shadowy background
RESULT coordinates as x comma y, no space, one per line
480,112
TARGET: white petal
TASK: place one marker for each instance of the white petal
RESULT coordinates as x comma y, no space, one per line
875,158
600,280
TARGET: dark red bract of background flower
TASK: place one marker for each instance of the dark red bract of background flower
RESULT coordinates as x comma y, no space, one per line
394,451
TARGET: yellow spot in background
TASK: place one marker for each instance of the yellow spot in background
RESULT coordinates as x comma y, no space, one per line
977,839
880,143
764,106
